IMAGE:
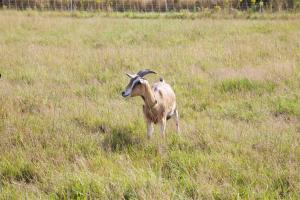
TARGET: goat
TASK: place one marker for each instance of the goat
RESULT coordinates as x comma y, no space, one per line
160,100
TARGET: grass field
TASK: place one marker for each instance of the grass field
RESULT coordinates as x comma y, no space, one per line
66,132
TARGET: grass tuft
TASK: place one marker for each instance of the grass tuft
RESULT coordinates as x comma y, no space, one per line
287,106
21,172
246,85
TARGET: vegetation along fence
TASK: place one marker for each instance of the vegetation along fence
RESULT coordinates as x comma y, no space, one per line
150,5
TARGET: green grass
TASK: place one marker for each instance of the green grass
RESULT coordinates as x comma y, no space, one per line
67,133
240,85
288,106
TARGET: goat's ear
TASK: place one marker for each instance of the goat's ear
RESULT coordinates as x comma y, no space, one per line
130,75
142,81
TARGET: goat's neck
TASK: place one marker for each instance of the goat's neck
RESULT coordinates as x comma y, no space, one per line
149,97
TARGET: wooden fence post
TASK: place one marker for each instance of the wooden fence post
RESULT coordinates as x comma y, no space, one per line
166,2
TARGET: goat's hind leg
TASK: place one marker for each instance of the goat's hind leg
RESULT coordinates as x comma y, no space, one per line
177,120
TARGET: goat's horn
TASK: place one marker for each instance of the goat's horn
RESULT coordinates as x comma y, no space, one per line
144,72
130,75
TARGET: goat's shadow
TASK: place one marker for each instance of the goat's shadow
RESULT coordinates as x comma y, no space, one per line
121,139
124,139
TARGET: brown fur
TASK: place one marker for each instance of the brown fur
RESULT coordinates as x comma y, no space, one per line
155,114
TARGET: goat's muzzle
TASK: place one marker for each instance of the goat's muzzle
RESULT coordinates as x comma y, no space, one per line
124,95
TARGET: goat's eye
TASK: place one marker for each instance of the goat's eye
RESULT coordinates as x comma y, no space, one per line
137,83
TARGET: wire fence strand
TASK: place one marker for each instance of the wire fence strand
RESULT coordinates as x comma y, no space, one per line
149,5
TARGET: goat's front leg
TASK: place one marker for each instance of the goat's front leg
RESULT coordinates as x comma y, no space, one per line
149,129
163,126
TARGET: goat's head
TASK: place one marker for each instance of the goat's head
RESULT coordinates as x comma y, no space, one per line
136,83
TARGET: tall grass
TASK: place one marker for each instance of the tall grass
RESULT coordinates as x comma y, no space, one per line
66,132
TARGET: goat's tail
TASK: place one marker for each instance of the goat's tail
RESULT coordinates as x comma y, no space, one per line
161,79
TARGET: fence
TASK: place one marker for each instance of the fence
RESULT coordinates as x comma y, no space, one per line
147,5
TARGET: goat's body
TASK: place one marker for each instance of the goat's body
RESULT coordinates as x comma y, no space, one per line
164,109
165,106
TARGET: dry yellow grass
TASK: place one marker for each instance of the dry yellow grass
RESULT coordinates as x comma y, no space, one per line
66,132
